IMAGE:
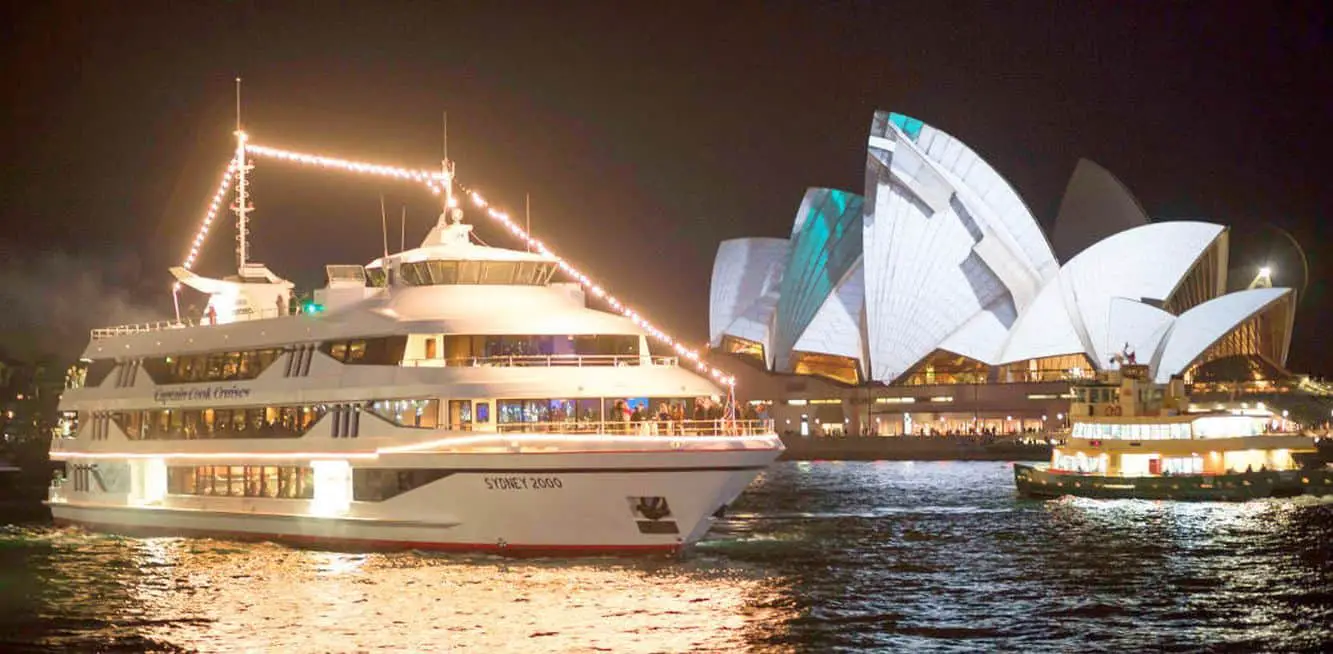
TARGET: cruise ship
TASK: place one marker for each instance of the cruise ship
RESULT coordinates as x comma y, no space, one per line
453,396
1133,439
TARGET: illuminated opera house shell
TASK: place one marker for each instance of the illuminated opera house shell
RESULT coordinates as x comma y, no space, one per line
940,274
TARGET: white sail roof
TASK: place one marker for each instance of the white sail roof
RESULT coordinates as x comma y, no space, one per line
1194,331
1095,206
744,270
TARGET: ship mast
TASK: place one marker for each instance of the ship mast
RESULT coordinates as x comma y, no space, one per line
447,167
242,208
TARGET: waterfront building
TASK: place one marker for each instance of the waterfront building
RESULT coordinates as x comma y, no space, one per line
935,302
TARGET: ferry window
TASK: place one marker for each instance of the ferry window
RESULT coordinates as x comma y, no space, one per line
257,422
180,481
589,410
241,481
527,272
444,272
469,272
384,351
483,411
510,411
376,277
411,274
375,485
212,366
498,272
89,374
408,413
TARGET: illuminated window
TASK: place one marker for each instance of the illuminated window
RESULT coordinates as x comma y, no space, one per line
840,369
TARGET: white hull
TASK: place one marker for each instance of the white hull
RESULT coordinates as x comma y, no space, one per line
572,502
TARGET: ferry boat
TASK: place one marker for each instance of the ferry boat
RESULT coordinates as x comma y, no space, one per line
453,396
1131,438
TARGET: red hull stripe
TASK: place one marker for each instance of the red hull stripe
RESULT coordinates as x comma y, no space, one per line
509,549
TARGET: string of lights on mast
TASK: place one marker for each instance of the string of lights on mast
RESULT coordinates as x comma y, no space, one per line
440,183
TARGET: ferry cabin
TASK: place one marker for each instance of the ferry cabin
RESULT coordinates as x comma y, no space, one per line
1212,444
1128,426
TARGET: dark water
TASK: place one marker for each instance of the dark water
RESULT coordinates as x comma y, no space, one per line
816,557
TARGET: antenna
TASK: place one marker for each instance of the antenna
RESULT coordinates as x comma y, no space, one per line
242,207
527,215
402,244
384,226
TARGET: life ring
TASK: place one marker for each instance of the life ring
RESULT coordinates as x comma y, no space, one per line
1110,410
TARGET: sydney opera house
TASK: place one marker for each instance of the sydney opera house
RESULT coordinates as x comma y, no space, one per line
936,301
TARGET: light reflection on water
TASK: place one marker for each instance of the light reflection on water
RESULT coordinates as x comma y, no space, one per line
815,557
217,596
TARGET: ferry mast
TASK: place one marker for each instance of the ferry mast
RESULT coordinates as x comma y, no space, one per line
242,208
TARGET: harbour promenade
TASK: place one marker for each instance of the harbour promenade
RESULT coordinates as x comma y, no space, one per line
1033,447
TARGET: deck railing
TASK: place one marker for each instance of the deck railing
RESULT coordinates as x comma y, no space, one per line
138,328
160,325
542,361
718,427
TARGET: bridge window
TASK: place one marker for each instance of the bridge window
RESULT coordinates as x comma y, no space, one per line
443,273
465,350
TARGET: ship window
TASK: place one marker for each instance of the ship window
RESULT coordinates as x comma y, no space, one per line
211,366
384,351
411,274
89,374
444,272
379,484
376,277
257,422
408,413
280,482
498,272
469,272
527,272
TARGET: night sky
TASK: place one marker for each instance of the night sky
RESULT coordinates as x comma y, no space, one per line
644,137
